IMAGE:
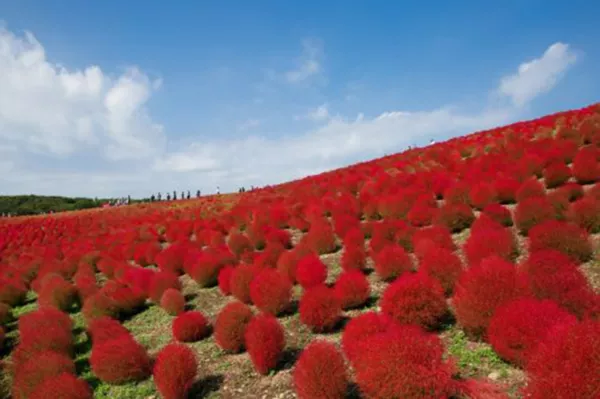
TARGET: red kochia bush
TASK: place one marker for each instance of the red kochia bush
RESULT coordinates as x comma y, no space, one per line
439,235
531,188
415,299
455,217
224,280
556,174
265,340
99,305
404,362
391,262
162,281
360,329
239,243
58,293
533,211
564,237
352,289
443,265
586,214
481,289
486,242
241,278
517,327
354,257
230,326
482,195
45,365
566,363
552,275
174,371
172,301
321,238
320,372
320,309
311,271
62,386
499,213
586,168
190,327
105,329
271,292
120,360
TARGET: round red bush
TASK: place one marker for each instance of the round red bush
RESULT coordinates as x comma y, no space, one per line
455,217
439,235
352,289
567,238
354,257
161,282
99,305
190,326
320,309
517,327
586,169
566,363
230,326
321,238
421,215
175,370
415,299
572,191
58,293
391,262
586,214
120,360
224,279
239,243
360,329
310,271
271,292
530,188
533,211
556,174
310,379
265,340
482,195
485,242
481,289
173,302
62,386
553,275
241,278
499,213
46,365
105,329
404,362
443,265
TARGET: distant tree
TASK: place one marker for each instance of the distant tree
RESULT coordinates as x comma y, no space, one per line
174,195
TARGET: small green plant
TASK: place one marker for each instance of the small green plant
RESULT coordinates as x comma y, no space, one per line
474,356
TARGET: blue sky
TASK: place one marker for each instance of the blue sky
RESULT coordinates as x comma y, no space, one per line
115,98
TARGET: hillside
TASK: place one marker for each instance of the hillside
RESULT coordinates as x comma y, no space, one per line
471,268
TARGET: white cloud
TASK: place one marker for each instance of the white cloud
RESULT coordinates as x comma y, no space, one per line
309,64
538,76
320,113
46,108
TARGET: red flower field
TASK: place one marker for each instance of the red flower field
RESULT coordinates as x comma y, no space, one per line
465,269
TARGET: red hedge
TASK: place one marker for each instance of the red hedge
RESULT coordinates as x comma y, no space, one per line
320,309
